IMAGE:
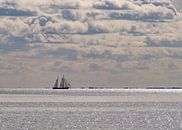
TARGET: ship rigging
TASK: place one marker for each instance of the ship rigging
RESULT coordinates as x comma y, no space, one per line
64,84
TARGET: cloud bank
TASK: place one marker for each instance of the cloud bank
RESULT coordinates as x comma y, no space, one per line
116,40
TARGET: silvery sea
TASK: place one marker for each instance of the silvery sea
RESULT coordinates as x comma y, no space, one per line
90,109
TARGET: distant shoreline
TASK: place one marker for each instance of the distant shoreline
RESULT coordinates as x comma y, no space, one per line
132,88
104,88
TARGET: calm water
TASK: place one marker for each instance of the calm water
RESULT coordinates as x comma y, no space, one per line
76,109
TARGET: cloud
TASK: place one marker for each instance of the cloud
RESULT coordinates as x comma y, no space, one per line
148,13
178,4
113,5
95,67
11,8
163,43
15,12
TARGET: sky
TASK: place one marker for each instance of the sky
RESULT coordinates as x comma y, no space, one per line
110,43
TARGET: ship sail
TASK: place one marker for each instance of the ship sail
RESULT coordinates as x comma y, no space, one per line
64,84
56,83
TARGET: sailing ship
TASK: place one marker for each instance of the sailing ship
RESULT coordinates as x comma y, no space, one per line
64,84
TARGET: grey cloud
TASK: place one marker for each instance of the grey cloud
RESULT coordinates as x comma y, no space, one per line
15,47
57,63
150,16
106,55
148,64
15,12
73,54
42,20
69,54
95,28
163,43
66,5
61,68
54,25
12,9
142,65
174,55
95,67
134,31
162,3
69,15
97,55
112,5
146,10
15,44
171,66
8,67
66,28
82,15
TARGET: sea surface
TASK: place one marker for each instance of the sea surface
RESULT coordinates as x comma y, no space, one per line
87,109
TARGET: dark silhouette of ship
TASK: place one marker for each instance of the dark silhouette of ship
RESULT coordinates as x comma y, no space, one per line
64,84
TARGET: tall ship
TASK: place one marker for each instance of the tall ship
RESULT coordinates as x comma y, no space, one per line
64,84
